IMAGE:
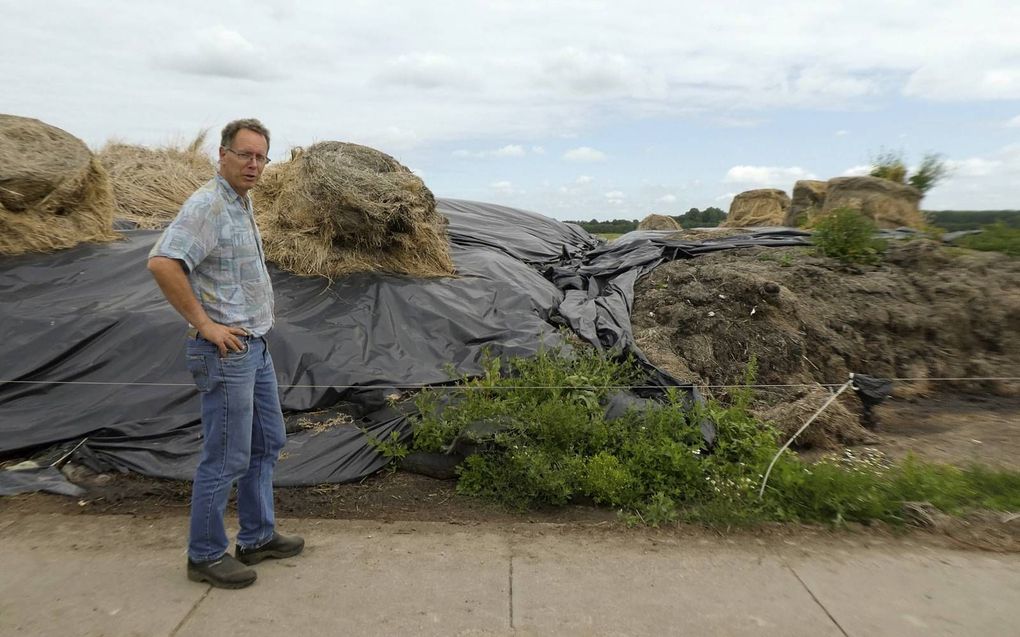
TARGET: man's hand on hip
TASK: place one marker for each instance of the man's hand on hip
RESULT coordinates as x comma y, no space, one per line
223,337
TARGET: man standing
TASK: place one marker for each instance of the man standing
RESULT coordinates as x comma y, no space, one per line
210,266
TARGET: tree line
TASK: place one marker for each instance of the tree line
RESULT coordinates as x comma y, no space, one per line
693,218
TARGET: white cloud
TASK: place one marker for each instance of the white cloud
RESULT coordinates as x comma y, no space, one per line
538,150
842,133
859,170
219,52
775,176
615,194
667,199
426,71
973,167
584,179
584,153
510,150
966,79
590,72
503,187
392,137
1013,122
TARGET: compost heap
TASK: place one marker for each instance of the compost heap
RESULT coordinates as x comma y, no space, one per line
924,312
54,193
150,184
337,208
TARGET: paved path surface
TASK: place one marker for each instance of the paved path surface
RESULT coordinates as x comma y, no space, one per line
116,575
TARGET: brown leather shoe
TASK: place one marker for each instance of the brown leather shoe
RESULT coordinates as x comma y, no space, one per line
279,547
225,572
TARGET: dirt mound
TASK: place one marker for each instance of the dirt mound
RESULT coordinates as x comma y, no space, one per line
150,184
54,193
924,312
764,207
338,208
889,204
658,222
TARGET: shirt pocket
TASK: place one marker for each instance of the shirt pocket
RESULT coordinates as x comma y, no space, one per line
246,256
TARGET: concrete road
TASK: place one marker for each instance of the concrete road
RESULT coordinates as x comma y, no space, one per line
116,575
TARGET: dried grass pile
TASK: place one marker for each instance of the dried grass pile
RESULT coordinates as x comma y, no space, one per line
150,184
834,427
887,203
54,193
659,222
337,208
762,207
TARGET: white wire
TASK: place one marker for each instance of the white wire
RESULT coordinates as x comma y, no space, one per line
765,478
460,387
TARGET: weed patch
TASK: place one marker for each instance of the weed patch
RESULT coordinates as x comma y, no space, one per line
552,444
848,235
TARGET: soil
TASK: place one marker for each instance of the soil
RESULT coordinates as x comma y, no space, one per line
925,313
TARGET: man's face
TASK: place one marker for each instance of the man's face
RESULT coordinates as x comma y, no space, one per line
242,174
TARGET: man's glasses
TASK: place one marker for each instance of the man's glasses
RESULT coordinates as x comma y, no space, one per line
261,160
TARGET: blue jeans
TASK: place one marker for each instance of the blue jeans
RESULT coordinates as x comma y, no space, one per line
243,433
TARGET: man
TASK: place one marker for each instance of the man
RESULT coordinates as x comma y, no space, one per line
210,266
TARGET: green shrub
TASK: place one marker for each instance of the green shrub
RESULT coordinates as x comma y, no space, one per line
931,171
849,236
997,237
554,446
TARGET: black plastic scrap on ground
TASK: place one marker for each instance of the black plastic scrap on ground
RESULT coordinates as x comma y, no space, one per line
92,314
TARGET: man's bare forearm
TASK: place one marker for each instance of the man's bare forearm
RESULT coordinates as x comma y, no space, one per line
172,280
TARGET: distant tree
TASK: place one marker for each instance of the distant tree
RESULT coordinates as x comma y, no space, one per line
707,218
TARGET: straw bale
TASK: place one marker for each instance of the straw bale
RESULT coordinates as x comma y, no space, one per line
150,184
337,208
54,193
659,222
889,204
834,427
807,202
762,207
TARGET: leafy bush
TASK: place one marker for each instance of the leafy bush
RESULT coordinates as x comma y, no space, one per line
997,237
849,236
554,445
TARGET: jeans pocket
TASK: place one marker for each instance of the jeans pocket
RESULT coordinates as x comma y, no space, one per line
237,357
199,371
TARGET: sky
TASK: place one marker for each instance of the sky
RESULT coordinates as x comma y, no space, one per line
576,110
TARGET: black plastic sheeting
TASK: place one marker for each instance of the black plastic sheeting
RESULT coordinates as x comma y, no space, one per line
97,352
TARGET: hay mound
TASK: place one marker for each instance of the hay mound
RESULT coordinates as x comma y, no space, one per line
807,203
763,207
889,204
338,208
834,427
659,222
54,193
150,184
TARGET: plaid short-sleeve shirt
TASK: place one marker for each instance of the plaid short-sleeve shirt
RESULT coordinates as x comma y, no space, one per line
216,238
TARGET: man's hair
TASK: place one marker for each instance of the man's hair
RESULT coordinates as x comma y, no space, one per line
252,124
